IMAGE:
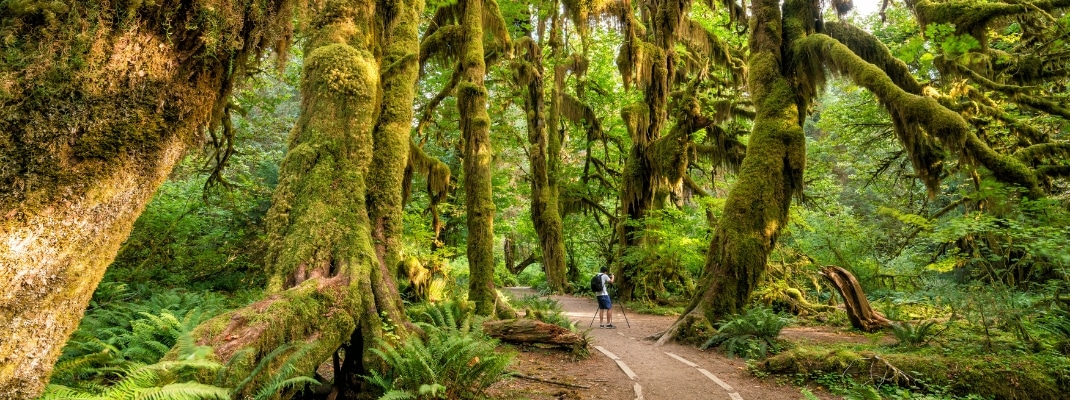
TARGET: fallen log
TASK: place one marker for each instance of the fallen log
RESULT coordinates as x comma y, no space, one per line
532,378
525,330
861,314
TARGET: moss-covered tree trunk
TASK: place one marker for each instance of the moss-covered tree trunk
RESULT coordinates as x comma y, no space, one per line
771,173
98,101
331,280
399,72
652,66
541,154
475,129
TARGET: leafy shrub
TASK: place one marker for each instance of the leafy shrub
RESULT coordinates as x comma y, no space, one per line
751,334
912,334
447,365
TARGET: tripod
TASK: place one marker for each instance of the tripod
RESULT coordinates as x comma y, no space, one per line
621,304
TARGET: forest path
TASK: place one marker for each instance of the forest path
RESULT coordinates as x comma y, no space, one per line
624,365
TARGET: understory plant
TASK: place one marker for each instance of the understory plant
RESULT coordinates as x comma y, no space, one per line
751,334
546,310
447,365
913,334
168,379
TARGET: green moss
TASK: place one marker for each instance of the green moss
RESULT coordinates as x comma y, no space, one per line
912,110
1001,376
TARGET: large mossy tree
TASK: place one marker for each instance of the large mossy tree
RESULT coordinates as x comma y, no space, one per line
334,224
473,34
792,51
98,101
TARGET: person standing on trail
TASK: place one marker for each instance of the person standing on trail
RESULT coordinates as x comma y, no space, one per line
604,303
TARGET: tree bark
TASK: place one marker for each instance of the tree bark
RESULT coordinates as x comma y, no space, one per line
331,280
475,128
652,66
861,314
100,100
527,330
757,205
544,192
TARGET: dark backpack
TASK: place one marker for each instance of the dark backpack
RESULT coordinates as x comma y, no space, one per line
596,283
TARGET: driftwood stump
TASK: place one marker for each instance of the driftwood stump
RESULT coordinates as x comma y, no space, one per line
861,314
525,330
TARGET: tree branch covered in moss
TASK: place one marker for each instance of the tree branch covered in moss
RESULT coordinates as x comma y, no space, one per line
947,126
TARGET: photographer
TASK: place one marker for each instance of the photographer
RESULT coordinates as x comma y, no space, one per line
604,303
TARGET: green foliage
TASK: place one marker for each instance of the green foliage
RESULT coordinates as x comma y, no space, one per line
672,252
544,309
177,379
447,365
1056,322
452,316
913,334
276,372
751,334
117,333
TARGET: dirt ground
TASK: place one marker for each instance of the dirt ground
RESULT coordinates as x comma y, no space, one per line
656,374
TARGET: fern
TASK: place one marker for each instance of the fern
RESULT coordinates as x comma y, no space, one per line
454,315
751,334
912,334
185,391
464,366
272,374
287,376
150,382
264,363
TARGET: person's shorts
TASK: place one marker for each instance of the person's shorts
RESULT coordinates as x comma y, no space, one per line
604,302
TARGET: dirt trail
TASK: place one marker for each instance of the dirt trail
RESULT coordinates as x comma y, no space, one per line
655,372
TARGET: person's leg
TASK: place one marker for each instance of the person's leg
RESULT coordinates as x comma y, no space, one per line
603,304
609,313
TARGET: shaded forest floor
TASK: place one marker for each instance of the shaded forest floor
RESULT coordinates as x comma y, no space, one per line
656,372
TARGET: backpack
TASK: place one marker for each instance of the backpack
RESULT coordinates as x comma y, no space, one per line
596,283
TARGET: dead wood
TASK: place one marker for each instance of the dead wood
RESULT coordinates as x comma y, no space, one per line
532,378
861,314
531,331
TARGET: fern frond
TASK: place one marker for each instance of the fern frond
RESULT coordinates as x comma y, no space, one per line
275,387
284,377
60,392
397,395
264,362
184,391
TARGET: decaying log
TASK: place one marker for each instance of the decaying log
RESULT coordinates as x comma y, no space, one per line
532,378
530,331
861,314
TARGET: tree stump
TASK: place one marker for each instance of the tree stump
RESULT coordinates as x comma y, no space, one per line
861,314
530,331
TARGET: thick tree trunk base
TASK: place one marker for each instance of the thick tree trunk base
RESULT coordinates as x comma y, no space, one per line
692,327
861,314
529,331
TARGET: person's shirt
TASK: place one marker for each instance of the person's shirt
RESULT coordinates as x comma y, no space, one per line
605,284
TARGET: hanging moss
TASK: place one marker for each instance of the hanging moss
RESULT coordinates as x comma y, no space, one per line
909,109
544,193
